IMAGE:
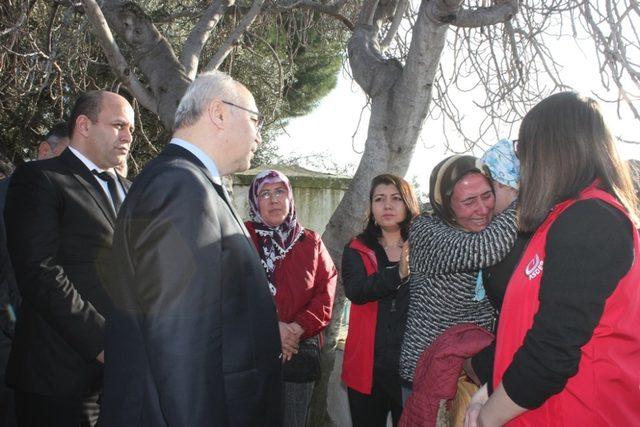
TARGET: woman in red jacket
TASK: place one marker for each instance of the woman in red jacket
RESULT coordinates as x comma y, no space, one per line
568,342
302,280
373,276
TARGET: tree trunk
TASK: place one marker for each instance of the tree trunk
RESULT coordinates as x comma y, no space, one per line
400,98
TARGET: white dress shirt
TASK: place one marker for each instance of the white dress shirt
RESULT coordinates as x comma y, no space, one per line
103,184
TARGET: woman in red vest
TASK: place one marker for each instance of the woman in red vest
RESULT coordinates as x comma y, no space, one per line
568,340
374,270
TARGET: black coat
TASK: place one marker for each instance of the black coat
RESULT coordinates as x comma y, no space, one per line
60,228
9,294
194,338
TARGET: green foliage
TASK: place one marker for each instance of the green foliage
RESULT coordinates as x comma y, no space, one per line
316,75
288,60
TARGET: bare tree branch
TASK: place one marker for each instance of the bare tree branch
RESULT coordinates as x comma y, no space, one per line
116,60
190,56
398,16
227,46
485,16
328,9
367,12
19,22
280,88
151,53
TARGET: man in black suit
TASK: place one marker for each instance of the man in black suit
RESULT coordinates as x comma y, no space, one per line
193,340
54,142
60,217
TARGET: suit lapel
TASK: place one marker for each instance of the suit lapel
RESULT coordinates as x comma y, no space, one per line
175,150
89,183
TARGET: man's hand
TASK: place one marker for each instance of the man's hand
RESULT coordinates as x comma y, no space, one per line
100,357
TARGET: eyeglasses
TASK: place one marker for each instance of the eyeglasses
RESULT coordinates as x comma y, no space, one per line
260,117
275,194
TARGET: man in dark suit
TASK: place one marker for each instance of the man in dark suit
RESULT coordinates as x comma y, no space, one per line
54,142
60,217
194,338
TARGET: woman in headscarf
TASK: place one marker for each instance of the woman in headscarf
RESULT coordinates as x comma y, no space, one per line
448,251
502,161
302,279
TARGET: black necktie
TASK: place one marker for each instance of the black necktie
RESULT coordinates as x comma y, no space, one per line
112,186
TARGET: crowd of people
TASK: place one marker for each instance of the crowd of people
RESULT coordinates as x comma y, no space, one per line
153,304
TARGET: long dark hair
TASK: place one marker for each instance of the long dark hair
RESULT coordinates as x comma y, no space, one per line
563,146
372,231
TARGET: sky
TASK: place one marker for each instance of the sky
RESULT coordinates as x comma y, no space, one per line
332,129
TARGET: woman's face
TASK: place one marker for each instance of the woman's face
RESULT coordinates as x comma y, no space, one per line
472,202
273,203
387,207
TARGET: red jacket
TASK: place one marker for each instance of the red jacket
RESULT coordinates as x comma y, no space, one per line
437,372
357,364
606,389
305,281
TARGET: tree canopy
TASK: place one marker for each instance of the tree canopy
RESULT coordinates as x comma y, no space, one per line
288,59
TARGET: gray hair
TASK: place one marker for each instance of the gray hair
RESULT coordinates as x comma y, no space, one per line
200,93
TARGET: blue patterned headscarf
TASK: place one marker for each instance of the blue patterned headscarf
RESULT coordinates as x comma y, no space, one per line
503,163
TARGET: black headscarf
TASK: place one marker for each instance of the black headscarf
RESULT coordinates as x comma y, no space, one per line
445,176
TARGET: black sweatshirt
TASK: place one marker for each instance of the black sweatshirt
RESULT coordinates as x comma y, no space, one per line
589,249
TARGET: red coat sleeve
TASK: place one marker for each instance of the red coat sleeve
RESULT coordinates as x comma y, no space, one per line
316,314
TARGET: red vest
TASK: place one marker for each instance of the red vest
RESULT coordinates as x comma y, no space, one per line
606,389
357,364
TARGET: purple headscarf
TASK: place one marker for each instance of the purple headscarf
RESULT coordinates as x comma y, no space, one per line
273,242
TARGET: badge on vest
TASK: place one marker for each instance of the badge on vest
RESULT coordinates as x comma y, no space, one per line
534,267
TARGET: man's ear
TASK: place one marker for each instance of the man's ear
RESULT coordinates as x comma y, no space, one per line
217,113
82,125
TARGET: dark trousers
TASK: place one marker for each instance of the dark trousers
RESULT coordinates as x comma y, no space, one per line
34,410
372,410
297,397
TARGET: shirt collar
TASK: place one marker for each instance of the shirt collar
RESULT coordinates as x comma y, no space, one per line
88,163
206,160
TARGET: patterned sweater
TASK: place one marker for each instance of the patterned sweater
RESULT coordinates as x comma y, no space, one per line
445,262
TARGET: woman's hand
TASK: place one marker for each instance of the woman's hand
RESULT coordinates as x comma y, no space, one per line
288,344
290,334
471,419
404,261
